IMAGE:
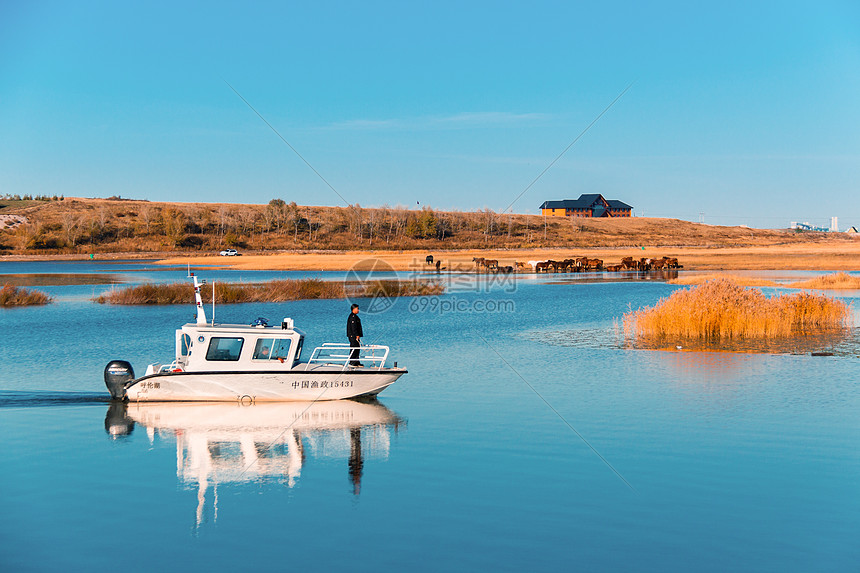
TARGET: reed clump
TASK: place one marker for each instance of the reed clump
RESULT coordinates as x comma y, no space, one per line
722,309
842,281
301,289
11,295
392,288
271,291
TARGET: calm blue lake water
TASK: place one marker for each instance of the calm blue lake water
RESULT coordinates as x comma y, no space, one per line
523,438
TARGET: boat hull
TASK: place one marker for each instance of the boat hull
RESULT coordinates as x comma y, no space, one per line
252,387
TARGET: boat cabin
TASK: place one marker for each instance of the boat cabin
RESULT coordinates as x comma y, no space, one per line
230,347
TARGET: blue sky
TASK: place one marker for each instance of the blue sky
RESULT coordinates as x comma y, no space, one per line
746,112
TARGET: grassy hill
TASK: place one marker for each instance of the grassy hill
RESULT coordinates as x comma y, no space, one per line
79,225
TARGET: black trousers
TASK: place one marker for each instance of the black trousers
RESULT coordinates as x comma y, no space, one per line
353,355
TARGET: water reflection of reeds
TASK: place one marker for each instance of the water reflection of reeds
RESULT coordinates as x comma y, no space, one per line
836,342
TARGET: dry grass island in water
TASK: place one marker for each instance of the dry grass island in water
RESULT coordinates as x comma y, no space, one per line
836,281
16,296
272,291
721,309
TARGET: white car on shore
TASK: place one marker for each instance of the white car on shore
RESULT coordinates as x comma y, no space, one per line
229,253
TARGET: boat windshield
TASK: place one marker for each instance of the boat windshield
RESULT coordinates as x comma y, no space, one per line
226,349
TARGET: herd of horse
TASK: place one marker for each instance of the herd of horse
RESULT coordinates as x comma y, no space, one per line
573,265
577,265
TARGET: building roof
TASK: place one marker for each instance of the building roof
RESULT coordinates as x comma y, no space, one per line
553,205
616,204
585,201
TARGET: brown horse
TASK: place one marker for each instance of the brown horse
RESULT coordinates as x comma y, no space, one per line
589,264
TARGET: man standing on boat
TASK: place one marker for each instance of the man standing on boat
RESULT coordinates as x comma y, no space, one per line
354,333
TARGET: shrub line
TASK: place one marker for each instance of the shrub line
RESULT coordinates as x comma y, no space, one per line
271,291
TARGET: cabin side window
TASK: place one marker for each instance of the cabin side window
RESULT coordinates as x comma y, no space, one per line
224,349
272,349
299,348
184,349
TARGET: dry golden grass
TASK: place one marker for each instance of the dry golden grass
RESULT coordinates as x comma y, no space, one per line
11,295
838,281
739,280
722,309
272,291
79,226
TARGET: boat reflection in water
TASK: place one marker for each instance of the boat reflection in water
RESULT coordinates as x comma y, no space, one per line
223,443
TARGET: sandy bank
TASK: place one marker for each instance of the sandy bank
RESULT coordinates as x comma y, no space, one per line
803,256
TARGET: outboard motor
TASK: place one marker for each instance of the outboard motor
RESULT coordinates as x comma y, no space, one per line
118,373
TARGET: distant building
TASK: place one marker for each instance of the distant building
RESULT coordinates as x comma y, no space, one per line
591,205
807,227
852,231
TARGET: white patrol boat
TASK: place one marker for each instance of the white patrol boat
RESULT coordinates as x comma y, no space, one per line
252,363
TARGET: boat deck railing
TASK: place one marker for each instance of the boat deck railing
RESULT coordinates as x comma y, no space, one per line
338,354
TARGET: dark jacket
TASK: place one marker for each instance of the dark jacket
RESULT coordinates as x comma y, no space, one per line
353,326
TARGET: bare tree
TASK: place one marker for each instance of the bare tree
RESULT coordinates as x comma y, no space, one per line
294,216
276,209
355,220
383,218
71,228
222,223
174,222
146,215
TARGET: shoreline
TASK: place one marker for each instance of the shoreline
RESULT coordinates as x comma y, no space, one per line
803,256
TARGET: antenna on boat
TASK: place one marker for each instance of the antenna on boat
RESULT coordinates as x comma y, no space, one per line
201,314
